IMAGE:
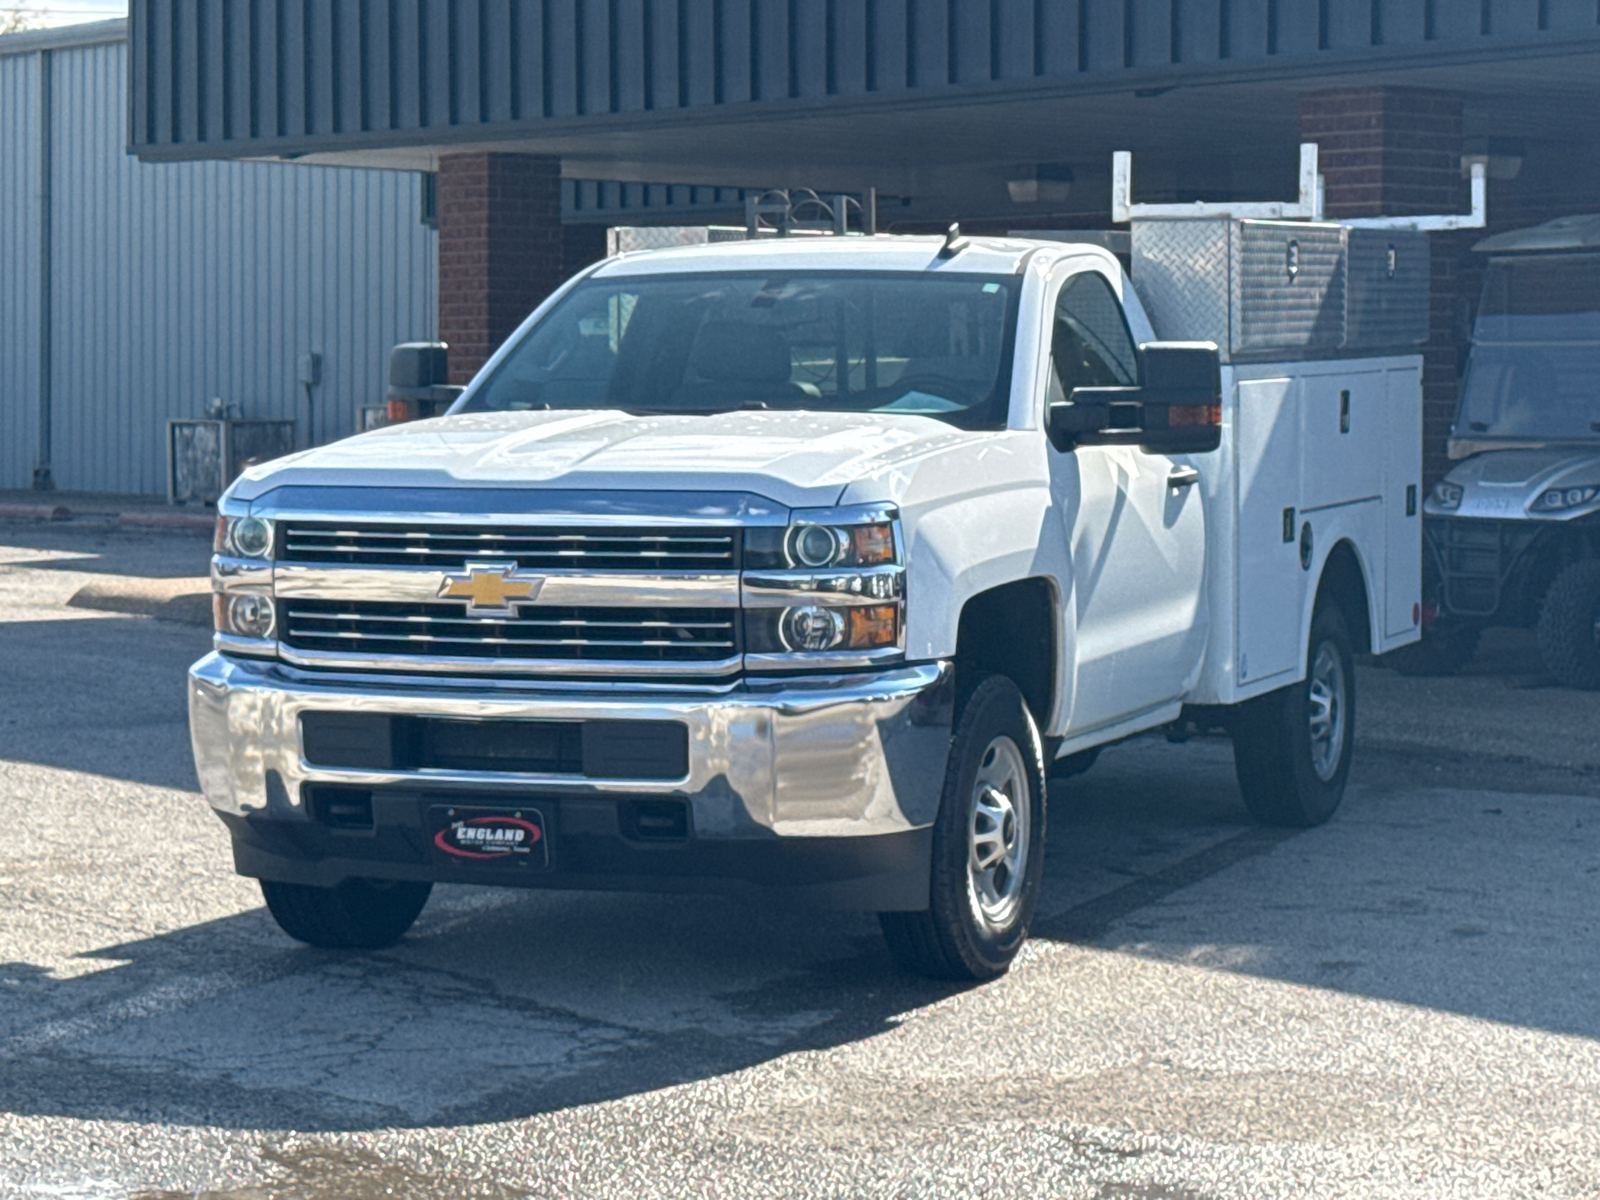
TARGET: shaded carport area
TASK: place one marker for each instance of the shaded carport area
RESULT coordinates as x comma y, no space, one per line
547,120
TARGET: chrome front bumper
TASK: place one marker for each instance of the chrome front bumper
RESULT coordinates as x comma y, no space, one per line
803,759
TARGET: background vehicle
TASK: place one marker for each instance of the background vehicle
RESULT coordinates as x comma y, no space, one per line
793,564
1513,531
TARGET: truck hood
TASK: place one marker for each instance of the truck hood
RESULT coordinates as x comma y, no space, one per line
1502,483
796,459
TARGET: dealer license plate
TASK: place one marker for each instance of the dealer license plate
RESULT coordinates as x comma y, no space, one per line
489,838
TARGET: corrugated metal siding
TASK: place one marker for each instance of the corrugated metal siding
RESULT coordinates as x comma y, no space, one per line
177,282
598,201
230,77
19,268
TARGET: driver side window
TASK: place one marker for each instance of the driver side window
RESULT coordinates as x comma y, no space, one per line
1090,345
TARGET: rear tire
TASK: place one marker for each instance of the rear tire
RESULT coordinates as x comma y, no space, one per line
988,845
358,914
1292,747
1569,626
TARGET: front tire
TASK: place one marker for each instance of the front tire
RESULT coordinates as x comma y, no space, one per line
1569,626
358,914
1292,747
988,845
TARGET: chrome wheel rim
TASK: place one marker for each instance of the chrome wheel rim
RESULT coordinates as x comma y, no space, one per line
1326,711
999,820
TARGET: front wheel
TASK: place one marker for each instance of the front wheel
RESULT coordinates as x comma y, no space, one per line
1292,747
988,845
358,914
1569,626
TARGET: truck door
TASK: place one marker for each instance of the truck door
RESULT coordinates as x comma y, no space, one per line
1136,530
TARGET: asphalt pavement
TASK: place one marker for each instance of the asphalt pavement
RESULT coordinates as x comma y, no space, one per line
1402,1003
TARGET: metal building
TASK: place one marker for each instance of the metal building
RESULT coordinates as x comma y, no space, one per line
134,292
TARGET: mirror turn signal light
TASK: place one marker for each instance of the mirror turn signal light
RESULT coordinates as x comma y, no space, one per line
1179,415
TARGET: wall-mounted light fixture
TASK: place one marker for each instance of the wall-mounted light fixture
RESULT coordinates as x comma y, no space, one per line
1040,183
1501,156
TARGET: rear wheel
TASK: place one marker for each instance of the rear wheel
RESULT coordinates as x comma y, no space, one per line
988,845
358,914
1292,747
1569,626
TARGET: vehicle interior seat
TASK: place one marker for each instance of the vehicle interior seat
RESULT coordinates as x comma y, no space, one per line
738,362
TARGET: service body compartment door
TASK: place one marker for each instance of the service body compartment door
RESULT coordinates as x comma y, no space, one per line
1402,500
1270,583
1342,455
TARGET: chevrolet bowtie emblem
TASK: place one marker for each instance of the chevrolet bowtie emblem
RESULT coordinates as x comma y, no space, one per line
491,589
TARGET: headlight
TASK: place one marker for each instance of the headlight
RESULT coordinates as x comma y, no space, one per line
1447,495
817,545
832,582
1558,499
818,541
245,614
243,537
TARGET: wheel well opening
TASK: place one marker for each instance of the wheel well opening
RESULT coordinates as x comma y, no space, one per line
1010,630
1343,583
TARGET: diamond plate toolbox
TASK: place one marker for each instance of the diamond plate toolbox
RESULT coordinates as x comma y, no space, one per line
1181,272
1387,276
1288,289
1282,290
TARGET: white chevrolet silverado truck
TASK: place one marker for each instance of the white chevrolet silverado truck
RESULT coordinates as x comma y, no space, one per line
796,567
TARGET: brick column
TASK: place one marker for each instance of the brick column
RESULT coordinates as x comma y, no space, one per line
1392,152
501,249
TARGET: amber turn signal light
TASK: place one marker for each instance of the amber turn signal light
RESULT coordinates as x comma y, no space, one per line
874,626
873,544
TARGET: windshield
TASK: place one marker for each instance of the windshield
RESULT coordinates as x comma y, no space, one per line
835,341
1534,371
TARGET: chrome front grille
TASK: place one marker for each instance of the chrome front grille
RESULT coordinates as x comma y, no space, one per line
533,548
538,634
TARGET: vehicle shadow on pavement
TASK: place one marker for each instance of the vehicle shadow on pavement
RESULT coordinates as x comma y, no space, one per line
502,1004
1463,886
499,1005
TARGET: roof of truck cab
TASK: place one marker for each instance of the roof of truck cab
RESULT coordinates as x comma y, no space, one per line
884,252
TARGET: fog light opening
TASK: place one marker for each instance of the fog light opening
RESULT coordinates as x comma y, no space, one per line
813,628
249,615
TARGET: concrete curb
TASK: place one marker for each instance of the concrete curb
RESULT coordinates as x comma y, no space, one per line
35,512
166,518
186,600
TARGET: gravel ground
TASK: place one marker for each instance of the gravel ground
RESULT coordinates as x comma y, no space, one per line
1398,1004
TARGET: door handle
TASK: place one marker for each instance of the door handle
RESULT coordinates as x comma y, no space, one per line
1182,477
